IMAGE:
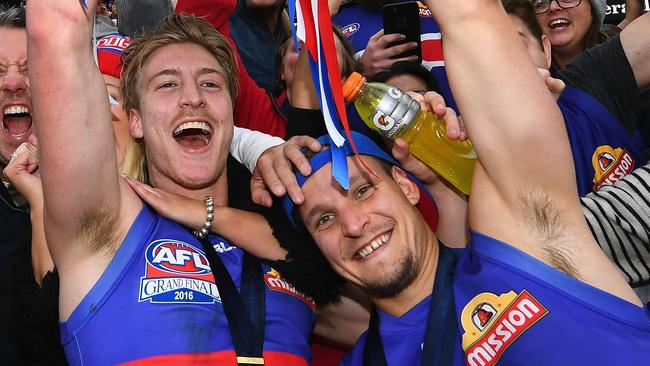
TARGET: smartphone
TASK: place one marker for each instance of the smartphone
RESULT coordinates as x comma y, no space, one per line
404,18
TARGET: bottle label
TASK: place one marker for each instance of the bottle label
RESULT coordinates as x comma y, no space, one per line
395,111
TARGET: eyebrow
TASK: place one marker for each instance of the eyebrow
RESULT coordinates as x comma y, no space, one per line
163,72
175,72
207,70
311,211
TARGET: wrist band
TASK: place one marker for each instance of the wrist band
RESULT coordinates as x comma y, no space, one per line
209,216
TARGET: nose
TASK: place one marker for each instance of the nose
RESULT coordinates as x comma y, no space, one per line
353,220
14,79
192,96
554,5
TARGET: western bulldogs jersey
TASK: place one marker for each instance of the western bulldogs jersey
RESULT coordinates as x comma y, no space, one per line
402,337
157,304
513,309
603,151
358,24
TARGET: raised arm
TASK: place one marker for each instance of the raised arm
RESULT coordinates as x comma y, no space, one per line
635,39
73,122
525,175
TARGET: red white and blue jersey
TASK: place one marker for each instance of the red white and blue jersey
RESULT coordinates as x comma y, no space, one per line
513,310
603,151
358,24
156,304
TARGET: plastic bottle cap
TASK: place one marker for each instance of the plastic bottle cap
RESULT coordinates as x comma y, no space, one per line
352,86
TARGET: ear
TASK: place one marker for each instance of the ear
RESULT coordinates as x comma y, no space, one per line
408,187
135,124
546,45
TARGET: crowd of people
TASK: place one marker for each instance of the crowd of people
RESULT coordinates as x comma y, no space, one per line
182,210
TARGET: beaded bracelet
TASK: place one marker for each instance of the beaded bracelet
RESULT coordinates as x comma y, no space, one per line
205,230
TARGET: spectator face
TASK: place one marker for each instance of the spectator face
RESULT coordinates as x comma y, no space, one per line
566,27
14,95
371,234
539,50
184,116
408,82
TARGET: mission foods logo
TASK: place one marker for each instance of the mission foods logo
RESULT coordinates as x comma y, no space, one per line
610,165
277,283
177,272
492,323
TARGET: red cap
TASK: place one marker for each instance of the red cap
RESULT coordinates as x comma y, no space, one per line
109,54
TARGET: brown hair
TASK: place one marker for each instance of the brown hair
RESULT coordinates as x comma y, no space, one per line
525,11
175,28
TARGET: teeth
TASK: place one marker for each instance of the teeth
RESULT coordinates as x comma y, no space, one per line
16,109
192,125
365,251
558,22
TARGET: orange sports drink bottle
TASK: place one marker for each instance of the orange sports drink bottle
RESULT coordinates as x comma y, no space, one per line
394,114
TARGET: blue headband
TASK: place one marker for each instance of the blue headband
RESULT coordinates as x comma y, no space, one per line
365,146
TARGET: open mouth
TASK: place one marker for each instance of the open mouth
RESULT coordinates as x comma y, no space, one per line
374,245
193,135
559,23
17,121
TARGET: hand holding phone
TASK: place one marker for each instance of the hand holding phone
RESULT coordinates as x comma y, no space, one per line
404,18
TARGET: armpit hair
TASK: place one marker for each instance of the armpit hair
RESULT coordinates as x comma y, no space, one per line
541,221
98,228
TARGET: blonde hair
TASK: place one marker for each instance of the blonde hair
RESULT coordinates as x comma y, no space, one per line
174,29
134,163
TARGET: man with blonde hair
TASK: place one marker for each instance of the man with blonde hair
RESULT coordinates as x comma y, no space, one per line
135,287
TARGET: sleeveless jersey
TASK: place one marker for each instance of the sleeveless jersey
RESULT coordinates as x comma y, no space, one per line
603,151
156,304
513,310
358,24
402,337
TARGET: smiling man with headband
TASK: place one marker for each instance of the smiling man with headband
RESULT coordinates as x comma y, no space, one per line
532,272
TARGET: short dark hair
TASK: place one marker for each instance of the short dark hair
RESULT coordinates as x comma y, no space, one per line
525,11
12,17
408,68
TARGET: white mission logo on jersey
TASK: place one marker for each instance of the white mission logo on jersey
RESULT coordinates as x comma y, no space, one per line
491,323
177,272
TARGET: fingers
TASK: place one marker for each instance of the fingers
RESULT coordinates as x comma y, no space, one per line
376,36
453,124
146,192
259,194
401,48
464,135
288,180
411,163
555,86
436,103
265,171
32,139
295,155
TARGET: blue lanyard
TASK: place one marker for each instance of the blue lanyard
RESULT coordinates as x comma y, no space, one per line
245,311
440,337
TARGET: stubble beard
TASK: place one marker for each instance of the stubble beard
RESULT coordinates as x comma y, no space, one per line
392,283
